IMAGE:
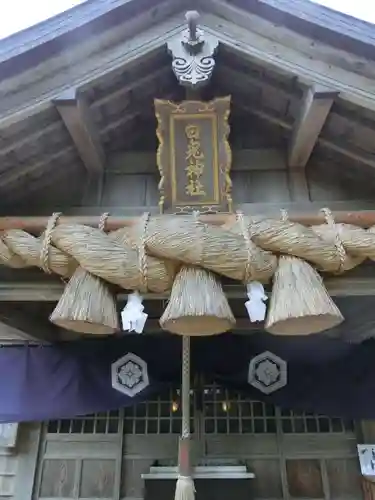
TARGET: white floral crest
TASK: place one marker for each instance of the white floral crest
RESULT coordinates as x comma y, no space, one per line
267,372
129,374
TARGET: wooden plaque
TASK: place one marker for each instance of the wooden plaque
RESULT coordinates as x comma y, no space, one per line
194,156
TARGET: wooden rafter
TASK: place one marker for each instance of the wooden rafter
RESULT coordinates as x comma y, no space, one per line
360,156
76,115
236,80
315,106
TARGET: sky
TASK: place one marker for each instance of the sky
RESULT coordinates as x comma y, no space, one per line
20,14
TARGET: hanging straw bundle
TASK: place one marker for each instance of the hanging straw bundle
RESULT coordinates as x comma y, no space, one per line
214,248
87,305
300,303
197,305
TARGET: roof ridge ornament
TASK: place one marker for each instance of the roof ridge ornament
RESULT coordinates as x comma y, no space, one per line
193,54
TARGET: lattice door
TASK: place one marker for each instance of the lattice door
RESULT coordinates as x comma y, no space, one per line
81,458
293,455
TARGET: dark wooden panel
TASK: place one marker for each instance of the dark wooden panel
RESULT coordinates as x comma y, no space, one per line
304,478
58,479
132,484
344,478
332,181
267,482
127,190
98,479
260,187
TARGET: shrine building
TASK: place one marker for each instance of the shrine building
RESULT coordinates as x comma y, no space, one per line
187,285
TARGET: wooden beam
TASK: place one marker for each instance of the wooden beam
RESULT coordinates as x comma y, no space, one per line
362,157
32,291
236,80
75,113
315,106
310,216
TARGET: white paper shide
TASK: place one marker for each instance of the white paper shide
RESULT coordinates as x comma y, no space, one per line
256,307
366,455
133,317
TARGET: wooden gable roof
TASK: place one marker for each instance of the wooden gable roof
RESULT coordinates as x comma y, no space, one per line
79,87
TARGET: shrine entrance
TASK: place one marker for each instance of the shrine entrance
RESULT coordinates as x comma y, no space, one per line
110,455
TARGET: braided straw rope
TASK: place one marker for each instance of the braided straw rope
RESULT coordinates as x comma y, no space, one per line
220,250
253,252
331,232
154,274
31,251
46,243
168,240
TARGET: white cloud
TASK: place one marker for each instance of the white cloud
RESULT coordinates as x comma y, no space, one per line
17,15
362,9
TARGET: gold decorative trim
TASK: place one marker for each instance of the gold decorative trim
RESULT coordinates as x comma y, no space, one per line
224,161
159,151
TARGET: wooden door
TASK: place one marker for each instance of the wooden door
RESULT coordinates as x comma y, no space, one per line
81,458
293,455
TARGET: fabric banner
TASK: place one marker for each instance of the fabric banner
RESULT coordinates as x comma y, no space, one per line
323,375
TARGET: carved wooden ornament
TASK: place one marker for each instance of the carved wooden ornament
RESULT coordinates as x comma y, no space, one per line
194,156
193,54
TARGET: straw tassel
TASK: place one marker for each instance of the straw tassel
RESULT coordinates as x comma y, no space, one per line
197,305
87,305
185,489
300,303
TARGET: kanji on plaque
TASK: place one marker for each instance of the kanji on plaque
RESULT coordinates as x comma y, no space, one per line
195,161
194,157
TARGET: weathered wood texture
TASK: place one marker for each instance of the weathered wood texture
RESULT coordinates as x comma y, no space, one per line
74,465
18,463
76,115
120,70
314,108
282,450
259,176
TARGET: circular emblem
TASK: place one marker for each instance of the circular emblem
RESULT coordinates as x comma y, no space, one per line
129,374
267,372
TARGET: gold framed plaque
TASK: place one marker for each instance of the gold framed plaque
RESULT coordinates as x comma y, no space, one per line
194,157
